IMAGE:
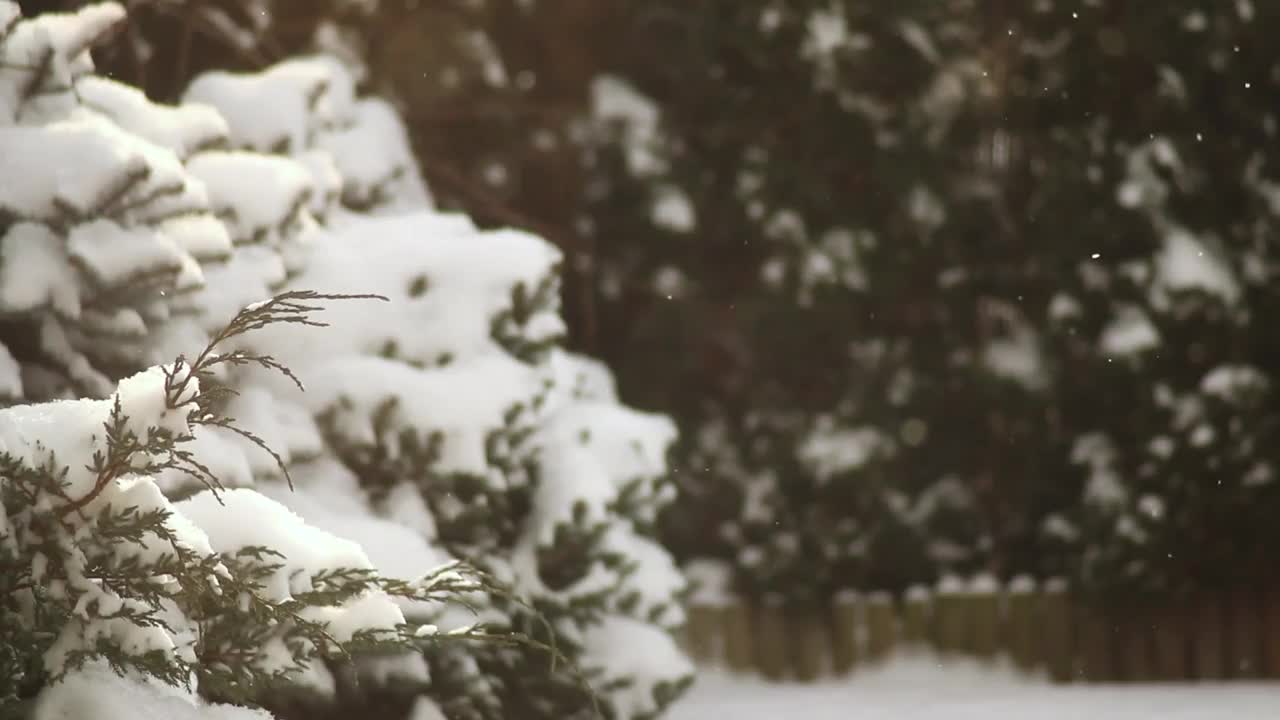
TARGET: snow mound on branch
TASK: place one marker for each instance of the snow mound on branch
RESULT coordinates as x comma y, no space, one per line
41,57
374,157
623,443
72,430
113,255
396,550
463,403
241,518
258,196
35,271
99,693
631,647
113,169
429,265
182,129
583,378
280,109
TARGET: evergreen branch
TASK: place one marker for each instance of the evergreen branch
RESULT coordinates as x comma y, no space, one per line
293,307
227,424
115,463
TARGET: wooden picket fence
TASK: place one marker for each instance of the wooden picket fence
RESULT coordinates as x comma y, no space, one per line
1236,636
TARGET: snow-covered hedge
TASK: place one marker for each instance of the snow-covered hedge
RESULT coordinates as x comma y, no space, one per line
444,424
228,594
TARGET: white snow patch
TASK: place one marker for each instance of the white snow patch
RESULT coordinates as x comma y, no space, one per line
963,690
616,102
829,451
712,582
1184,263
1234,382
1130,332
99,693
672,210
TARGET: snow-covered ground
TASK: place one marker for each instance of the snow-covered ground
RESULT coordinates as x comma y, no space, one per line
921,688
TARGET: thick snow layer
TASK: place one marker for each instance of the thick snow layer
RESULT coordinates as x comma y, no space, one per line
257,195
924,688
463,403
429,265
35,271
99,693
326,188
588,453
241,518
203,237
625,444
72,433
113,255
55,43
375,159
80,166
71,430
396,550
583,378
182,129
655,581
253,273
280,109
631,647
307,106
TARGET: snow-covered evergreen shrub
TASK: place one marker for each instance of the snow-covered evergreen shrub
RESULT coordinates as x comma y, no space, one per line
444,425
453,412
104,225
228,595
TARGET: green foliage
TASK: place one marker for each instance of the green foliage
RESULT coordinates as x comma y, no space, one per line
247,645
97,578
509,327
475,517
